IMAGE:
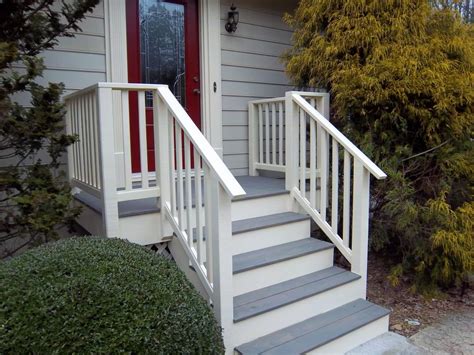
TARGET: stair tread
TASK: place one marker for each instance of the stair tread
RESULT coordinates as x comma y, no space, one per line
277,219
316,331
271,297
266,256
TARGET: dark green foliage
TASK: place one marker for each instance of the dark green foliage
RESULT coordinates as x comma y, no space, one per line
91,295
400,74
34,195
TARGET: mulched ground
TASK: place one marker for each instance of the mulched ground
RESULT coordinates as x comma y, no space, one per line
411,312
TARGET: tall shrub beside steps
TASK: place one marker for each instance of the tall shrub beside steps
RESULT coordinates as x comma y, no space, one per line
400,74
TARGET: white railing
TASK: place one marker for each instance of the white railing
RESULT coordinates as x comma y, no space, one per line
195,186
323,169
84,109
267,131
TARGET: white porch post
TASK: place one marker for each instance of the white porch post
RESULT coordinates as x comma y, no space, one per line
291,142
107,162
360,221
221,235
253,139
163,143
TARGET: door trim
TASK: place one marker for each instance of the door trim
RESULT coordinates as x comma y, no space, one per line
210,60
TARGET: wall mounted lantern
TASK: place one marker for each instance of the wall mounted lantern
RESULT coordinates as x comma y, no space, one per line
232,19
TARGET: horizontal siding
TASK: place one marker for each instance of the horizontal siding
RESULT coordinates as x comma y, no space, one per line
252,68
76,61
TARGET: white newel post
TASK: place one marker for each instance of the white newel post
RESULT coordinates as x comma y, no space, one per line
291,142
161,122
221,231
360,221
107,162
253,139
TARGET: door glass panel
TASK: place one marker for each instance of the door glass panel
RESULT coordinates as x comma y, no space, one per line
162,46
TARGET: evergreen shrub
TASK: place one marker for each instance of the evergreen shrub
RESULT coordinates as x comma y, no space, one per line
92,295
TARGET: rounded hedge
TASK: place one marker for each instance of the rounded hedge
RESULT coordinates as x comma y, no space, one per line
91,295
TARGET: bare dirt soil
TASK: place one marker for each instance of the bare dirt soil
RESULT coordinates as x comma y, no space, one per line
411,312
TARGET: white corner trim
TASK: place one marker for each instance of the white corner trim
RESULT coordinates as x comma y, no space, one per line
210,61
116,41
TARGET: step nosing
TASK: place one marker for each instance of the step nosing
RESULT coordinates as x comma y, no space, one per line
353,277
318,330
338,271
266,221
311,246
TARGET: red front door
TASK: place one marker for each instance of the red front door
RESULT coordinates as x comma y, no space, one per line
163,48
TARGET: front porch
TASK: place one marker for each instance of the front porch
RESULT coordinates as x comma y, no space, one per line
243,240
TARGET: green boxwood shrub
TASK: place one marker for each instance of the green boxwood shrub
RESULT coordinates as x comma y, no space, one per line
91,295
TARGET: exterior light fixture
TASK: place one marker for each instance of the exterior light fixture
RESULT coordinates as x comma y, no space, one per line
232,19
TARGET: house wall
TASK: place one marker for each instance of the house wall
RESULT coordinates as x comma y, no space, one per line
251,69
77,61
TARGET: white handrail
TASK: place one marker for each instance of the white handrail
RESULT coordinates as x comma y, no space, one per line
200,143
342,139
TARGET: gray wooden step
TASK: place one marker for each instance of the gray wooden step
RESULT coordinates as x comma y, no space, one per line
269,298
278,219
316,331
252,224
267,256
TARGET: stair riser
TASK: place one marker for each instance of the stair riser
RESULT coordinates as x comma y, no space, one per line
258,207
271,236
355,338
286,270
285,316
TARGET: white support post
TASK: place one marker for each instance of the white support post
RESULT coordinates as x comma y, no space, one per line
221,240
291,142
107,163
360,221
253,139
163,144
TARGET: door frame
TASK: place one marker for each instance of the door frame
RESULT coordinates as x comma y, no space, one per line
210,60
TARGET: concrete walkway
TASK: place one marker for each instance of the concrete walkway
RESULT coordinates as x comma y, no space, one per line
452,335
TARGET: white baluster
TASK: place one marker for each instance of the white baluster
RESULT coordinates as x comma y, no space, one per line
172,159
260,133
179,171
280,135
126,140
199,212
143,140
267,135
324,173
346,199
302,152
335,185
189,204
274,160
312,157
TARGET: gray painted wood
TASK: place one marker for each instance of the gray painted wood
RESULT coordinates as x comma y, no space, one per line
291,291
267,256
254,186
316,331
257,223
278,219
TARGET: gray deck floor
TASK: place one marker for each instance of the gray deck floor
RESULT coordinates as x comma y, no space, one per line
254,186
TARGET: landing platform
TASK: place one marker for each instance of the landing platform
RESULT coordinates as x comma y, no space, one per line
254,186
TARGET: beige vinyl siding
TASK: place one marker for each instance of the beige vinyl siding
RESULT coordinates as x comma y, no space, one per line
251,69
